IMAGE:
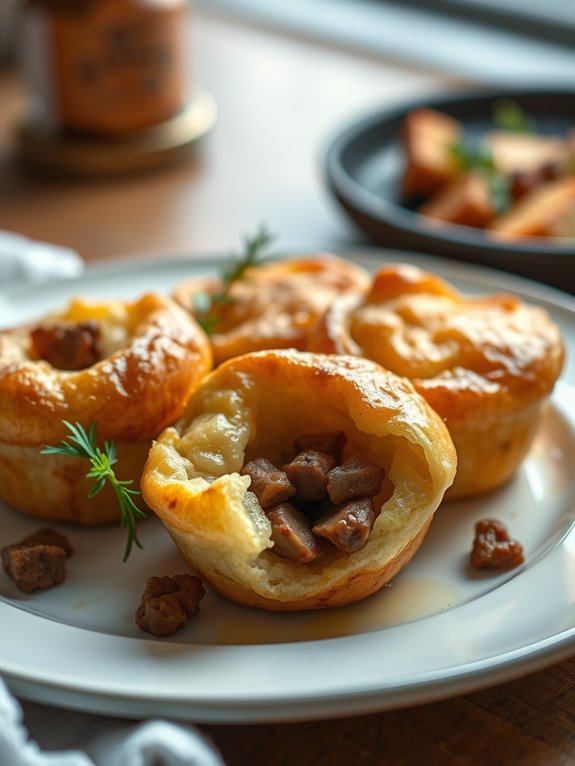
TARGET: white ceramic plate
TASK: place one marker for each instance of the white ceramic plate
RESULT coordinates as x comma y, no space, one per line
437,630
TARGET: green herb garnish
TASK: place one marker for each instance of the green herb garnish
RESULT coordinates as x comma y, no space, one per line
82,444
206,304
510,116
470,157
499,190
479,158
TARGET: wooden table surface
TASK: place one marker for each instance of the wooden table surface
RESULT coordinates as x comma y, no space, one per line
279,100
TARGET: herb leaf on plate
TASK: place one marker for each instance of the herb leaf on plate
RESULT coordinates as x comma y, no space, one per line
83,444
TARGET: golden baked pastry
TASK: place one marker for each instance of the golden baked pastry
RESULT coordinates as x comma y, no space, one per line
128,367
275,304
485,364
256,406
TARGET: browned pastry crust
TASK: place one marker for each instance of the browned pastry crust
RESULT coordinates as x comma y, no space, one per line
275,305
486,364
154,355
255,405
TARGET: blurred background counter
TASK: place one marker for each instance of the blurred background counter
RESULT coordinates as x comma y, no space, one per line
280,98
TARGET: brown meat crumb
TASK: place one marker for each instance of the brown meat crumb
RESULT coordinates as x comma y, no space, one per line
357,477
270,485
67,345
332,443
292,535
168,603
493,548
48,536
34,567
348,525
330,503
37,561
308,472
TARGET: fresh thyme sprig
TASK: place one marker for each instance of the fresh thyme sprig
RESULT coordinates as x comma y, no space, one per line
232,272
83,444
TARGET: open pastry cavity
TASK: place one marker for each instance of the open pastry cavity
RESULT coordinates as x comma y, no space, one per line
258,407
117,321
114,322
153,354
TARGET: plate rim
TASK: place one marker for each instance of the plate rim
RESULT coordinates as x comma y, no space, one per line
461,679
355,198
465,679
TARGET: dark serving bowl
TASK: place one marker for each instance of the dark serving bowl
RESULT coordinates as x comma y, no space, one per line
364,165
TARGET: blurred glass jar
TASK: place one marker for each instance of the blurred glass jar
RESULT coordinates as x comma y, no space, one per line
105,67
9,10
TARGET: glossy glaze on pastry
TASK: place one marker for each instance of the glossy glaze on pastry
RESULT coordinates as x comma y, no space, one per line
275,305
256,406
151,357
485,364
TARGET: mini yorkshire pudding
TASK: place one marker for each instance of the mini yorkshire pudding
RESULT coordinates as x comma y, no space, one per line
274,305
340,425
127,367
485,364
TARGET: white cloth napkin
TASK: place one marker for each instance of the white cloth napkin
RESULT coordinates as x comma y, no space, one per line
73,738
153,743
26,260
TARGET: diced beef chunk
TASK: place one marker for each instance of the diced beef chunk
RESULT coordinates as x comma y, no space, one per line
67,345
292,535
34,567
330,504
493,548
161,616
270,485
168,603
48,536
348,525
357,477
308,472
329,443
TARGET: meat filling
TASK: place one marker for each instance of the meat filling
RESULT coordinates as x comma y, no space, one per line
292,535
328,443
67,345
270,485
348,525
357,477
308,472
330,501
